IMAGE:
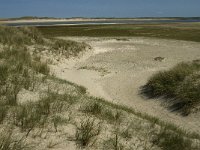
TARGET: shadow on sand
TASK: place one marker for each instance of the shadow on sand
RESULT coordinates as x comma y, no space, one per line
171,103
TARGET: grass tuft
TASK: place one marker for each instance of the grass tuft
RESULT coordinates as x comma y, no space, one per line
87,132
180,84
67,48
9,142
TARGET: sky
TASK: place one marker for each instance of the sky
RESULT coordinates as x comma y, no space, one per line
99,8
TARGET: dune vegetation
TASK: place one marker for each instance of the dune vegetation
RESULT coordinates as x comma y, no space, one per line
179,86
39,111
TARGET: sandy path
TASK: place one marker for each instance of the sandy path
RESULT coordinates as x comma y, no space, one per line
130,62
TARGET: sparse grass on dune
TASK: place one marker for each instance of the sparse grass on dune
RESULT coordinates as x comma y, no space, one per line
115,107
20,36
18,71
10,142
169,136
180,83
87,132
106,110
95,122
26,36
67,48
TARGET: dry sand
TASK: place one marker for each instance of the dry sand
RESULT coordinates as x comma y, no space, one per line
118,67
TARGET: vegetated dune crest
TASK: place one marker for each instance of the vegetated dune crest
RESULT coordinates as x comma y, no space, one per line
116,68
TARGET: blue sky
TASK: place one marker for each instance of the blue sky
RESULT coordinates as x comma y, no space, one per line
100,8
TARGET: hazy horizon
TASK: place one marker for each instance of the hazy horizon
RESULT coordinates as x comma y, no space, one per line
99,9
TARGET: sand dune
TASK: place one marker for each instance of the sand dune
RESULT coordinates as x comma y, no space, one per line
118,67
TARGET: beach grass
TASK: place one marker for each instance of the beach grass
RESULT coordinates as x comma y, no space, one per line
179,86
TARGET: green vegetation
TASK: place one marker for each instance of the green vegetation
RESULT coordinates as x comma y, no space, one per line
168,141
27,117
10,142
96,108
68,48
87,132
17,71
20,69
20,36
63,106
180,83
144,116
57,121
26,36
178,31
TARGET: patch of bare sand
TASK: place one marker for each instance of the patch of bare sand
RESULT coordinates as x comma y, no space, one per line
130,63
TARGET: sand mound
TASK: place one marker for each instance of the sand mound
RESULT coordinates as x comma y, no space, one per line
127,65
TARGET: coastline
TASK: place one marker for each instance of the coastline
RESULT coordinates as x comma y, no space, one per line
81,19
